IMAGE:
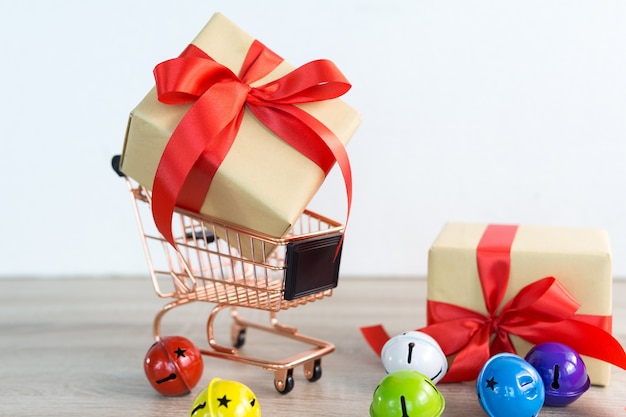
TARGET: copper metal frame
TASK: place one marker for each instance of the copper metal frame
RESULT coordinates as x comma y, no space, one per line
200,269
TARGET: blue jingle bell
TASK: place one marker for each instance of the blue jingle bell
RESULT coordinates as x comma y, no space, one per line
508,386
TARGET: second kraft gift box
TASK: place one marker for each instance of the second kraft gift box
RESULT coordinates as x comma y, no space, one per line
496,288
263,184
546,258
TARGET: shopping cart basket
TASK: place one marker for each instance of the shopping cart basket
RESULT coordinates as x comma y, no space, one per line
275,274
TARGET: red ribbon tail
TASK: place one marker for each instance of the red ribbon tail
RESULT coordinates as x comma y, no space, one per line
586,339
376,337
323,147
212,114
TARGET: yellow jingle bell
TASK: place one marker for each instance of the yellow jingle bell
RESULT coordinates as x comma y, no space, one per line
223,398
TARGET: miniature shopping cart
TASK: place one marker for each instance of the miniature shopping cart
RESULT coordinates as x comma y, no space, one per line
233,267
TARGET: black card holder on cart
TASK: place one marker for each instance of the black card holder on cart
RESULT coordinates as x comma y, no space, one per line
312,265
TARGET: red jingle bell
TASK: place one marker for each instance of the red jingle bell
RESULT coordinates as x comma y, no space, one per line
173,365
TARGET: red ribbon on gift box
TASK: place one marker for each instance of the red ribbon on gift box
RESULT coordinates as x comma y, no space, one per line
206,133
543,311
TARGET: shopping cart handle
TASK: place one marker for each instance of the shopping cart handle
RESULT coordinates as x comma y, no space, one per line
115,163
197,234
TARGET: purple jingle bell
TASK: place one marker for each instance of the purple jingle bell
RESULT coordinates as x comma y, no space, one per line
562,370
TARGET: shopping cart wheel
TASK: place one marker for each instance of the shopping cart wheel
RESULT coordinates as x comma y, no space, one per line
283,381
313,370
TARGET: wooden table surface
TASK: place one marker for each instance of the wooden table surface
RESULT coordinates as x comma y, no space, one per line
75,347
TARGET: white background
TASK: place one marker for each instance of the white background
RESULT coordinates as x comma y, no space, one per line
479,111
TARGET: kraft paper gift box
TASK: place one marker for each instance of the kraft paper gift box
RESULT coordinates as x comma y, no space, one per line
580,259
263,184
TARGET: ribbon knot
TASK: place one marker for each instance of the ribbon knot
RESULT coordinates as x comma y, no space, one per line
218,99
494,326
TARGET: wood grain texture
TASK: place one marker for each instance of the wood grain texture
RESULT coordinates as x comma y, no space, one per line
75,347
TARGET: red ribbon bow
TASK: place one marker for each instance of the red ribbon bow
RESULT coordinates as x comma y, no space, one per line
543,311
205,134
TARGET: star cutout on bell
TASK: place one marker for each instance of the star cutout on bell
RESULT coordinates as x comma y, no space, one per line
224,401
491,383
180,352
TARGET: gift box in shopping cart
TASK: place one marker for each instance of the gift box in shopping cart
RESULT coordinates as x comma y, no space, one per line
234,132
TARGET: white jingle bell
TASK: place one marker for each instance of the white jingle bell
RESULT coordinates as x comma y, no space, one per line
416,351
